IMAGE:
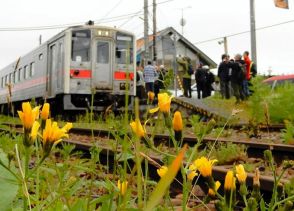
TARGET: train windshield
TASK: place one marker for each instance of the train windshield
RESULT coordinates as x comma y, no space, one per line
124,49
81,41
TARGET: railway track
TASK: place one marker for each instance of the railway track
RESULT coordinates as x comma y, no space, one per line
254,149
218,172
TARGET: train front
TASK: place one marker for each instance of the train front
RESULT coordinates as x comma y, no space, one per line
102,65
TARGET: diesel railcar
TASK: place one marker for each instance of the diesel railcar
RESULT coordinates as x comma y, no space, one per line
75,64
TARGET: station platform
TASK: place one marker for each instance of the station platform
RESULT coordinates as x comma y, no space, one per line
198,106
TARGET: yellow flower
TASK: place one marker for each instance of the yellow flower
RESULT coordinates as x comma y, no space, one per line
230,181
191,172
137,128
34,131
177,121
28,115
212,192
52,134
122,187
204,166
241,174
45,111
151,96
162,171
164,101
67,126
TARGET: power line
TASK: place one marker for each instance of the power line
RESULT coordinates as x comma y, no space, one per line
113,8
102,20
231,35
128,20
245,32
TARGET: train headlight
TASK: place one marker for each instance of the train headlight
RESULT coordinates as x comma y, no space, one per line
103,33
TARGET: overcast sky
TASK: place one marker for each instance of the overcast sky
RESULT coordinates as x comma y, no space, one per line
206,19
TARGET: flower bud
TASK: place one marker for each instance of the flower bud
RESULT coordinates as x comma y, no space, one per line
288,206
122,186
177,121
288,164
268,155
151,96
45,111
230,183
252,204
280,190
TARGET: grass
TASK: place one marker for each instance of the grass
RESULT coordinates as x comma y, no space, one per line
66,180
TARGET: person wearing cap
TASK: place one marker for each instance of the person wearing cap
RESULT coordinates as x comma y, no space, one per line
159,82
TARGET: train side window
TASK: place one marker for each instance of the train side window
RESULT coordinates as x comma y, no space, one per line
11,78
15,76
32,69
81,42
26,72
6,80
2,82
124,49
40,56
19,74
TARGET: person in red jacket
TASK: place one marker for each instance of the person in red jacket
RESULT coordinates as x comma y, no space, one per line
247,74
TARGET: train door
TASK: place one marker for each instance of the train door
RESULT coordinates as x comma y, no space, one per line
102,61
51,71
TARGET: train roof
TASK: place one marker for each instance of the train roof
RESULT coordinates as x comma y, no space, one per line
86,26
280,78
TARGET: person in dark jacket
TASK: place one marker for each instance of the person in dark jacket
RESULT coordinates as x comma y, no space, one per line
237,77
223,74
209,81
200,77
159,82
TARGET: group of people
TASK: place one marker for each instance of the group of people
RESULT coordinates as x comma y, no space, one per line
234,75
151,79
203,76
204,80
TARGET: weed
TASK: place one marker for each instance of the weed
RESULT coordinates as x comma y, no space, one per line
288,133
228,153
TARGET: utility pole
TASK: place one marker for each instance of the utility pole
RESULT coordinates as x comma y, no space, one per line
226,45
154,32
183,21
40,39
146,40
253,32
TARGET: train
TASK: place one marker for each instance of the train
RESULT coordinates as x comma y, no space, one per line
81,67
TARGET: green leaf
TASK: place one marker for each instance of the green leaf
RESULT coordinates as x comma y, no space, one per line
80,205
125,156
262,205
9,184
165,181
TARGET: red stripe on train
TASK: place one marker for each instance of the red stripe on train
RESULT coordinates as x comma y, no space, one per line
75,73
118,75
